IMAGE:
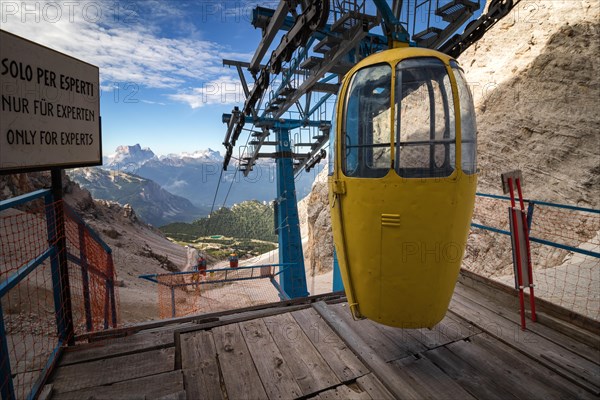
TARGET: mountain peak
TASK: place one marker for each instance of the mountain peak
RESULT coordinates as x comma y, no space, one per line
208,155
136,148
129,157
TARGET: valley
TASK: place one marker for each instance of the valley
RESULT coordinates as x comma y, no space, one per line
179,187
246,229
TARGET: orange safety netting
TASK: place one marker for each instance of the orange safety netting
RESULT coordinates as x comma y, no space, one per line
188,294
29,309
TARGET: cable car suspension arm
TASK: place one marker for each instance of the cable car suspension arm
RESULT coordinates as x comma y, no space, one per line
475,30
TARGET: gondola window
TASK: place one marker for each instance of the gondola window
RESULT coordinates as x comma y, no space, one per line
367,123
425,123
467,120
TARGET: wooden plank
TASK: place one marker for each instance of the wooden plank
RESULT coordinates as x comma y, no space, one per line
199,385
563,359
468,377
429,338
200,366
407,339
172,327
245,316
398,386
390,343
46,393
370,384
506,295
129,331
272,367
447,331
457,328
342,361
517,373
149,387
577,369
417,385
306,364
173,396
432,381
512,314
198,350
239,373
204,318
344,392
570,330
112,370
116,347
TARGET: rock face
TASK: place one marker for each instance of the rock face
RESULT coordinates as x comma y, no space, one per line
544,122
153,204
535,81
536,85
137,247
16,184
319,249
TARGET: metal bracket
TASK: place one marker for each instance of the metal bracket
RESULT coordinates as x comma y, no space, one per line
339,187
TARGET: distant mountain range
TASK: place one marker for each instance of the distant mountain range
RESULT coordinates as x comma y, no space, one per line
179,187
129,158
152,203
195,176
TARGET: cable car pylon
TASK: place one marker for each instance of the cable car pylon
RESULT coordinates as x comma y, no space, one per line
287,222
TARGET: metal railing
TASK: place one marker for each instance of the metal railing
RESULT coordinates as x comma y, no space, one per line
530,213
178,292
565,250
39,263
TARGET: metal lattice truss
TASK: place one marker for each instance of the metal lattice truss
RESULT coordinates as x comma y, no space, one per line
321,40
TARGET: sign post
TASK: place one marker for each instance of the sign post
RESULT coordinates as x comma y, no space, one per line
49,120
68,331
519,232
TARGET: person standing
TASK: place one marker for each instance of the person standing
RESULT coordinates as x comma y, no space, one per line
202,264
192,265
233,260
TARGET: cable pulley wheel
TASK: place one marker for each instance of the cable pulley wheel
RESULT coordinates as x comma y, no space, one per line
504,9
477,33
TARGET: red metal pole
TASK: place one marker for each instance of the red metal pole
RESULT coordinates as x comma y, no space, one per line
529,264
517,253
521,202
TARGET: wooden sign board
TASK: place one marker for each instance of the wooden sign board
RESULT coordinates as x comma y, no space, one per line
49,108
519,231
514,175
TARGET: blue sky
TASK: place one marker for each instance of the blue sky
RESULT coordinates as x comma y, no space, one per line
162,80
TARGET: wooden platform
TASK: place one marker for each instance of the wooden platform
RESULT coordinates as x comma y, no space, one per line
312,349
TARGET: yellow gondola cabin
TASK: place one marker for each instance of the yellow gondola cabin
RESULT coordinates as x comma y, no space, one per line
402,184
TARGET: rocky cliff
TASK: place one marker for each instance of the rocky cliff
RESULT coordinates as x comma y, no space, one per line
137,247
319,249
152,203
535,81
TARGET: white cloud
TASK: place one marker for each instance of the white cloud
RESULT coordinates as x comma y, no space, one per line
153,102
176,185
222,90
115,37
